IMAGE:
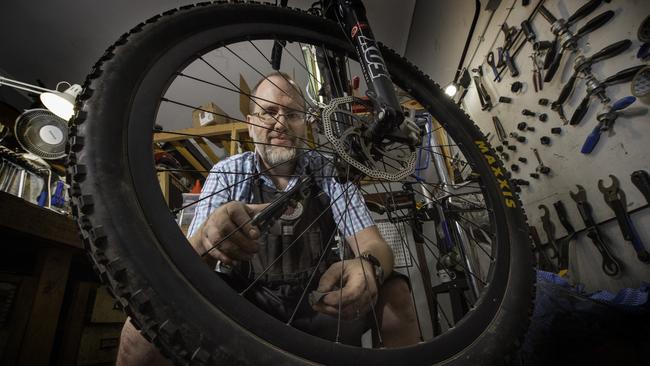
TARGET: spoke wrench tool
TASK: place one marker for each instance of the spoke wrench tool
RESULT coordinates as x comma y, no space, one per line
610,265
615,199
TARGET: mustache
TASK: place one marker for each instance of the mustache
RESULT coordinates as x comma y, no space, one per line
280,135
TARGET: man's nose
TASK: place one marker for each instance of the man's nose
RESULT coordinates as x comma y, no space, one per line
280,123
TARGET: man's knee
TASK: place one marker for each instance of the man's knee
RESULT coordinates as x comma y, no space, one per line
396,296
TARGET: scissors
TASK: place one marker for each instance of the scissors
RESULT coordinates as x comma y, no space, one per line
490,61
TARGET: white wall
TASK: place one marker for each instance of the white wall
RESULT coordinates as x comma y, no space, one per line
435,45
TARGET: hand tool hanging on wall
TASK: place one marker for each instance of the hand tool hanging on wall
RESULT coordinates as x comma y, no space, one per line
503,53
565,38
641,180
559,109
498,127
597,88
493,66
543,261
566,241
609,264
615,199
549,229
515,39
530,36
483,96
541,167
583,65
605,122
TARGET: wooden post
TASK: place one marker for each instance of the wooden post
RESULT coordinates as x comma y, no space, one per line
41,328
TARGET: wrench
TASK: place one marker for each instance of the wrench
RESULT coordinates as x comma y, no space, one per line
549,229
571,234
615,199
610,265
544,262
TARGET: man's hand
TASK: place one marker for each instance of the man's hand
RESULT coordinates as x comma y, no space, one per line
228,235
359,289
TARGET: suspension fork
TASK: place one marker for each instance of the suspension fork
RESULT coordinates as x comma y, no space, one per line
351,14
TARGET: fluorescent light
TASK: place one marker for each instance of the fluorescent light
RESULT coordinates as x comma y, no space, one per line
451,89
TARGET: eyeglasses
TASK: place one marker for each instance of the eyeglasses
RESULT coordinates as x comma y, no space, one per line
272,116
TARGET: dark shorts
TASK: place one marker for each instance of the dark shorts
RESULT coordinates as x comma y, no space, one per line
280,300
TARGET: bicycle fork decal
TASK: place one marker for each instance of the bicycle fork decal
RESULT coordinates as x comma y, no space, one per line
498,172
376,64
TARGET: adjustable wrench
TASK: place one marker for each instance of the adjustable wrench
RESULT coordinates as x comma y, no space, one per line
549,229
610,265
615,199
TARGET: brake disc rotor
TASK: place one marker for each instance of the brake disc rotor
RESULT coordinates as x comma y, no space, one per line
365,154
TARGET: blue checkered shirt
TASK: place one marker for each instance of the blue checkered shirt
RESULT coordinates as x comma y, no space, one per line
231,180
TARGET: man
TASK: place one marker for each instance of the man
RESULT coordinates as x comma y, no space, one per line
241,186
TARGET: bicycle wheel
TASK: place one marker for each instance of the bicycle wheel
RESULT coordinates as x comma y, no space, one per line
189,312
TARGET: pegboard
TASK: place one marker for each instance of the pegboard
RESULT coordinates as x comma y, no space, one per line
396,237
619,154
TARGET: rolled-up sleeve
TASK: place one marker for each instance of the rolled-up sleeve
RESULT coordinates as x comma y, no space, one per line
348,207
215,193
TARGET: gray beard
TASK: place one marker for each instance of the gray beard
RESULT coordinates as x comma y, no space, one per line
275,155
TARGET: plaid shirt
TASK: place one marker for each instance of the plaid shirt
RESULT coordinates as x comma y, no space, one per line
231,180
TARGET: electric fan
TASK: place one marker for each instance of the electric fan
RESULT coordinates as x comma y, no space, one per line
42,133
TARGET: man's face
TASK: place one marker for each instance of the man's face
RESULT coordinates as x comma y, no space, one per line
278,137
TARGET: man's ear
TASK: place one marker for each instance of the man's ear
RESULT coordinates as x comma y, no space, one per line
249,124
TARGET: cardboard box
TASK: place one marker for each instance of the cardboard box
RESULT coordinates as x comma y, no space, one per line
209,114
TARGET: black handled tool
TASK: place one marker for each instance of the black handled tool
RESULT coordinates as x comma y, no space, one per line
493,66
597,88
569,41
549,229
498,127
514,72
641,180
543,261
583,65
609,264
571,233
483,96
564,218
615,199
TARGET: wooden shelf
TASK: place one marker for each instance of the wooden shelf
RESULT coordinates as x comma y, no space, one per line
29,219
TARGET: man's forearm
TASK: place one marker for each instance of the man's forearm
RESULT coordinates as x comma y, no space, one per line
370,240
135,350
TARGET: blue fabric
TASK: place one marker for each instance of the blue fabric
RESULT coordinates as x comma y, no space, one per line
624,297
571,327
